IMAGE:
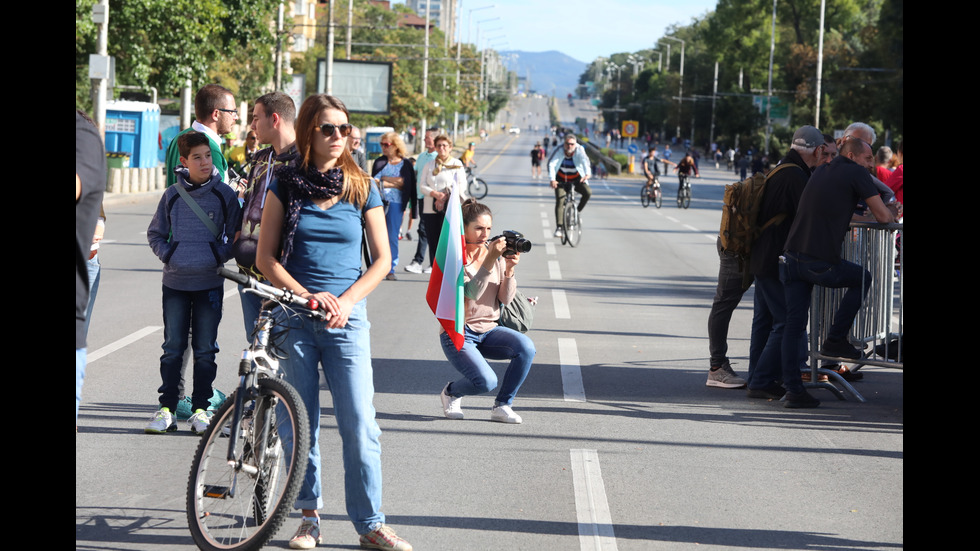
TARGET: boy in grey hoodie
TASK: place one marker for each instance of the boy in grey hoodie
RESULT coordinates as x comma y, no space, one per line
192,233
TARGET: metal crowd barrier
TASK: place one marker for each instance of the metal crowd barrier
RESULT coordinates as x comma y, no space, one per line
878,248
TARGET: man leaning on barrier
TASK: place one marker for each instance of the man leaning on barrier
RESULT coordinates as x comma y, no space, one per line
813,257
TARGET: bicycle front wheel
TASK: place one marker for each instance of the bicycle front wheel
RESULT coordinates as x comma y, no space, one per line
477,188
573,226
240,505
658,197
686,195
645,194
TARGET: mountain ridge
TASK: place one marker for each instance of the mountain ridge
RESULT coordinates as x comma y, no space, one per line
550,70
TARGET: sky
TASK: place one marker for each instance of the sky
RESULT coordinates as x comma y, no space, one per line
582,29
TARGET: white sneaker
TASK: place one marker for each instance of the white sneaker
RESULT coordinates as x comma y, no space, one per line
199,421
414,268
558,232
307,536
427,270
452,406
162,422
503,414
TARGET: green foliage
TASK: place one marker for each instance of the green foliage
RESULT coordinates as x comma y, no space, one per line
165,43
862,73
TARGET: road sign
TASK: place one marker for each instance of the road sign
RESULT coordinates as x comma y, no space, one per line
632,148
631,129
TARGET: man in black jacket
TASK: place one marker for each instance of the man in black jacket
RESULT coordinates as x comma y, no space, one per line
780,202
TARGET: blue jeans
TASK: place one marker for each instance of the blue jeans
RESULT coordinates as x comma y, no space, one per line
94,276
394,219
499,343
251,306
799,274
345,357
197,313
768,328
80,359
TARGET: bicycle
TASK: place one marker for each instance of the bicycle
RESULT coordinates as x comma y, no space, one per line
651,193
571,229
684,192
475,187
241,484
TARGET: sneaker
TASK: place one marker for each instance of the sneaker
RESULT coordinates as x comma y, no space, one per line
802,400
307,536
840,349
558,232
772,391
452,406
162,422
724,377
503,414
391,277
414,268
199,421
427,270
383,537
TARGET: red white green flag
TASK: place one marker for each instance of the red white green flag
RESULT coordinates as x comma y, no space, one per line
445,293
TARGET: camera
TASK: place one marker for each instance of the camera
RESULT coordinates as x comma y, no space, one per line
515,242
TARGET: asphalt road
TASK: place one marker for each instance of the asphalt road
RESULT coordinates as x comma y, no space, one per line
622,446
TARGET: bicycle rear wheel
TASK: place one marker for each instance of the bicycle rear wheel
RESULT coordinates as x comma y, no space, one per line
477,188
645,194
241,506
573,226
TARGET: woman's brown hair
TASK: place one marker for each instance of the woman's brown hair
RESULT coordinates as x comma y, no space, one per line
357,185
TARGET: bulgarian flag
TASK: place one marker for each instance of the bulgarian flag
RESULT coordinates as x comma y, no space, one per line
445,293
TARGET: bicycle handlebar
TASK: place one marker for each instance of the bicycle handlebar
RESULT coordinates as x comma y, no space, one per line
270,292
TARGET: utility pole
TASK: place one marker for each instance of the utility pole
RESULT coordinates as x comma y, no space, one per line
279,47
328,85
100,16
425,80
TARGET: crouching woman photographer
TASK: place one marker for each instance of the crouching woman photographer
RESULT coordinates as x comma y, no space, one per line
490,282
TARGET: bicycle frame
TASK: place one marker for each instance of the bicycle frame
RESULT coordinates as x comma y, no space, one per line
257,361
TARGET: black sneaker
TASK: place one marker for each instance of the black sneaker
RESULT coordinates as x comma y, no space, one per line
840,349
772,391
800,401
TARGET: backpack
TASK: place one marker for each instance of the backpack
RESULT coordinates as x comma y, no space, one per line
739,216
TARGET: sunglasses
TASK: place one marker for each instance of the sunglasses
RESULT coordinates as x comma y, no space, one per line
328,129
385,144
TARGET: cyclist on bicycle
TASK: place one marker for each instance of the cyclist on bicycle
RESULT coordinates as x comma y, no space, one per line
650,168
684,169
571,169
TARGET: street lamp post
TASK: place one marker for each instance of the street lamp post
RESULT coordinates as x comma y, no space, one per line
680,95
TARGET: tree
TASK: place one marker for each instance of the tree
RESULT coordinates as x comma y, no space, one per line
166,43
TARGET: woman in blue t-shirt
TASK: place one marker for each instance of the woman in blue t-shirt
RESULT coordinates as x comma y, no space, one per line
313,212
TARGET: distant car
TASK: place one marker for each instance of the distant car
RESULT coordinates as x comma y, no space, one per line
514,130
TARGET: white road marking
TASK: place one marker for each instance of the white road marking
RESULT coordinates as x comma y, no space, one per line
595,528
561,304
545,223
571,372
690,227
554,271
123,342
549,248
